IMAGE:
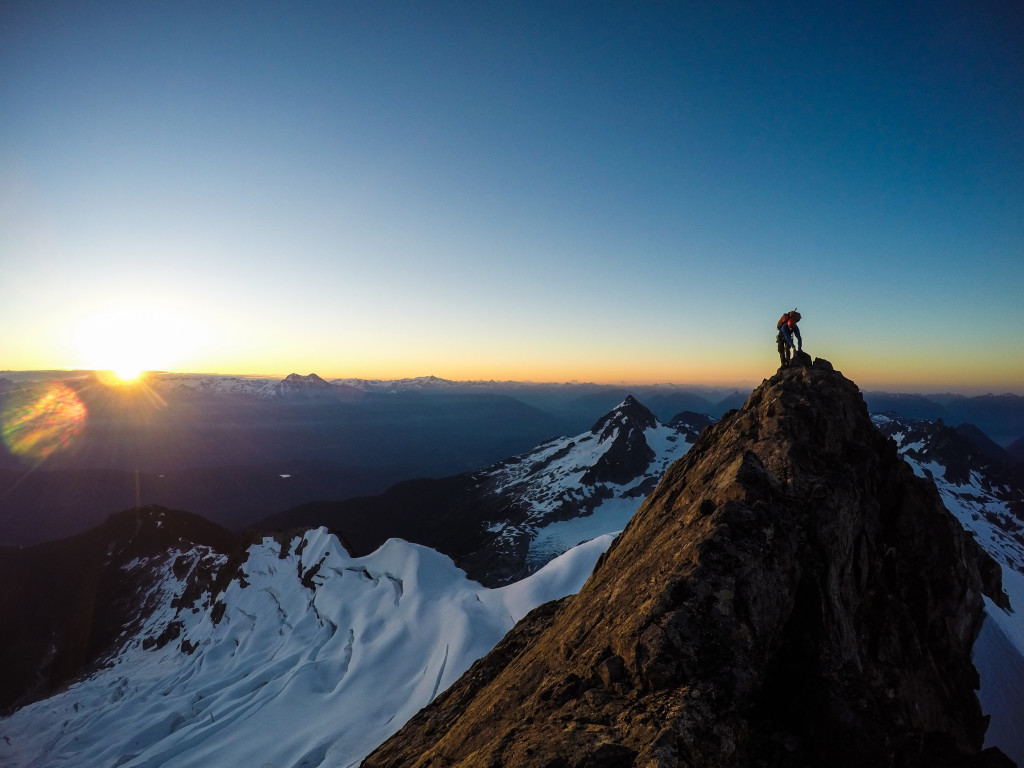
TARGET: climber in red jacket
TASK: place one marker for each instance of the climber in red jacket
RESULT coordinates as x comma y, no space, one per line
787,328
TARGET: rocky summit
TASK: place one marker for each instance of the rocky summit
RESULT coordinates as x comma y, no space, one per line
791,594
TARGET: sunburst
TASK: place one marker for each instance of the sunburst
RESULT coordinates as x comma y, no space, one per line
130,339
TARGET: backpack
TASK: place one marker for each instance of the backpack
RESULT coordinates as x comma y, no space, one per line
790,318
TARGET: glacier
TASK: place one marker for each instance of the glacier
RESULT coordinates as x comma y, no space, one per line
317,658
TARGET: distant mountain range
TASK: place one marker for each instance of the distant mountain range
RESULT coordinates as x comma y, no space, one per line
235,451
573,403
238,449
1001,417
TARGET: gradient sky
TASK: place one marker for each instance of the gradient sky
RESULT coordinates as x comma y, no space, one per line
552,191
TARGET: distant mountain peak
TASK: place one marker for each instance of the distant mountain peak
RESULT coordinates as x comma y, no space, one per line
310,379
308,385
630,413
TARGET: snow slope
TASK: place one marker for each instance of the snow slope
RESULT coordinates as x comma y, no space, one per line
317,658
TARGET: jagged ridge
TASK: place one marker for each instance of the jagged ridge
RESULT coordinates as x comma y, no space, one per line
791,594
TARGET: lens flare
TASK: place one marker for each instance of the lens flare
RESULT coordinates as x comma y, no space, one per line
40,421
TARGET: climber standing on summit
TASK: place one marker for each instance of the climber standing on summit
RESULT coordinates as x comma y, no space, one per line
787,329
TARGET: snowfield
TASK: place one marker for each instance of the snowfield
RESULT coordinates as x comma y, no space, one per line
294,674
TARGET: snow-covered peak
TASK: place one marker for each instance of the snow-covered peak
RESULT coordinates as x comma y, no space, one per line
310,384
628,415
570,489
244,386
418,383
209,384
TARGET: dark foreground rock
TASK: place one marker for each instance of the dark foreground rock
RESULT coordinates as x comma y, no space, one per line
790,595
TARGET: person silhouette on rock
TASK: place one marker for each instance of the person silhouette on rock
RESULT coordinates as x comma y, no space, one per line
788,330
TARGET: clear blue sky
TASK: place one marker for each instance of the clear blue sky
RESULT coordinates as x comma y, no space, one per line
522,190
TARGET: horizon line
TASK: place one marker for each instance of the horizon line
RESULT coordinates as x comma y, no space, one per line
973,391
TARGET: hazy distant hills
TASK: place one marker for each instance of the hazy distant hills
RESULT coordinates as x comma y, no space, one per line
1016,449
1001,417
237,449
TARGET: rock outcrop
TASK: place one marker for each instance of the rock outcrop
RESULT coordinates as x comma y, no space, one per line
790,595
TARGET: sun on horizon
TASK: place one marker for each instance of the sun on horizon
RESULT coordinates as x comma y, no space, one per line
126,341
123,375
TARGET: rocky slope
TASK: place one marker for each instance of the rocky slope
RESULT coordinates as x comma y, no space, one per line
982,487
791,594
70,605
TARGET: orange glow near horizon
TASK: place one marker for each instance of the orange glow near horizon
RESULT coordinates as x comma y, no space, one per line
737,371
743,369
740,369
120,377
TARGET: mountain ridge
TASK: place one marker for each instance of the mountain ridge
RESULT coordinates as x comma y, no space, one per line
750,614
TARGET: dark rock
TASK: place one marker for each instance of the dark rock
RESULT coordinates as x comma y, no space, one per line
691,424
801,360
790,595
295,384
628,455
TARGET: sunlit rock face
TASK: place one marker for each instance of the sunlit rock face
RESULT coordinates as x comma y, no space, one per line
791,594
